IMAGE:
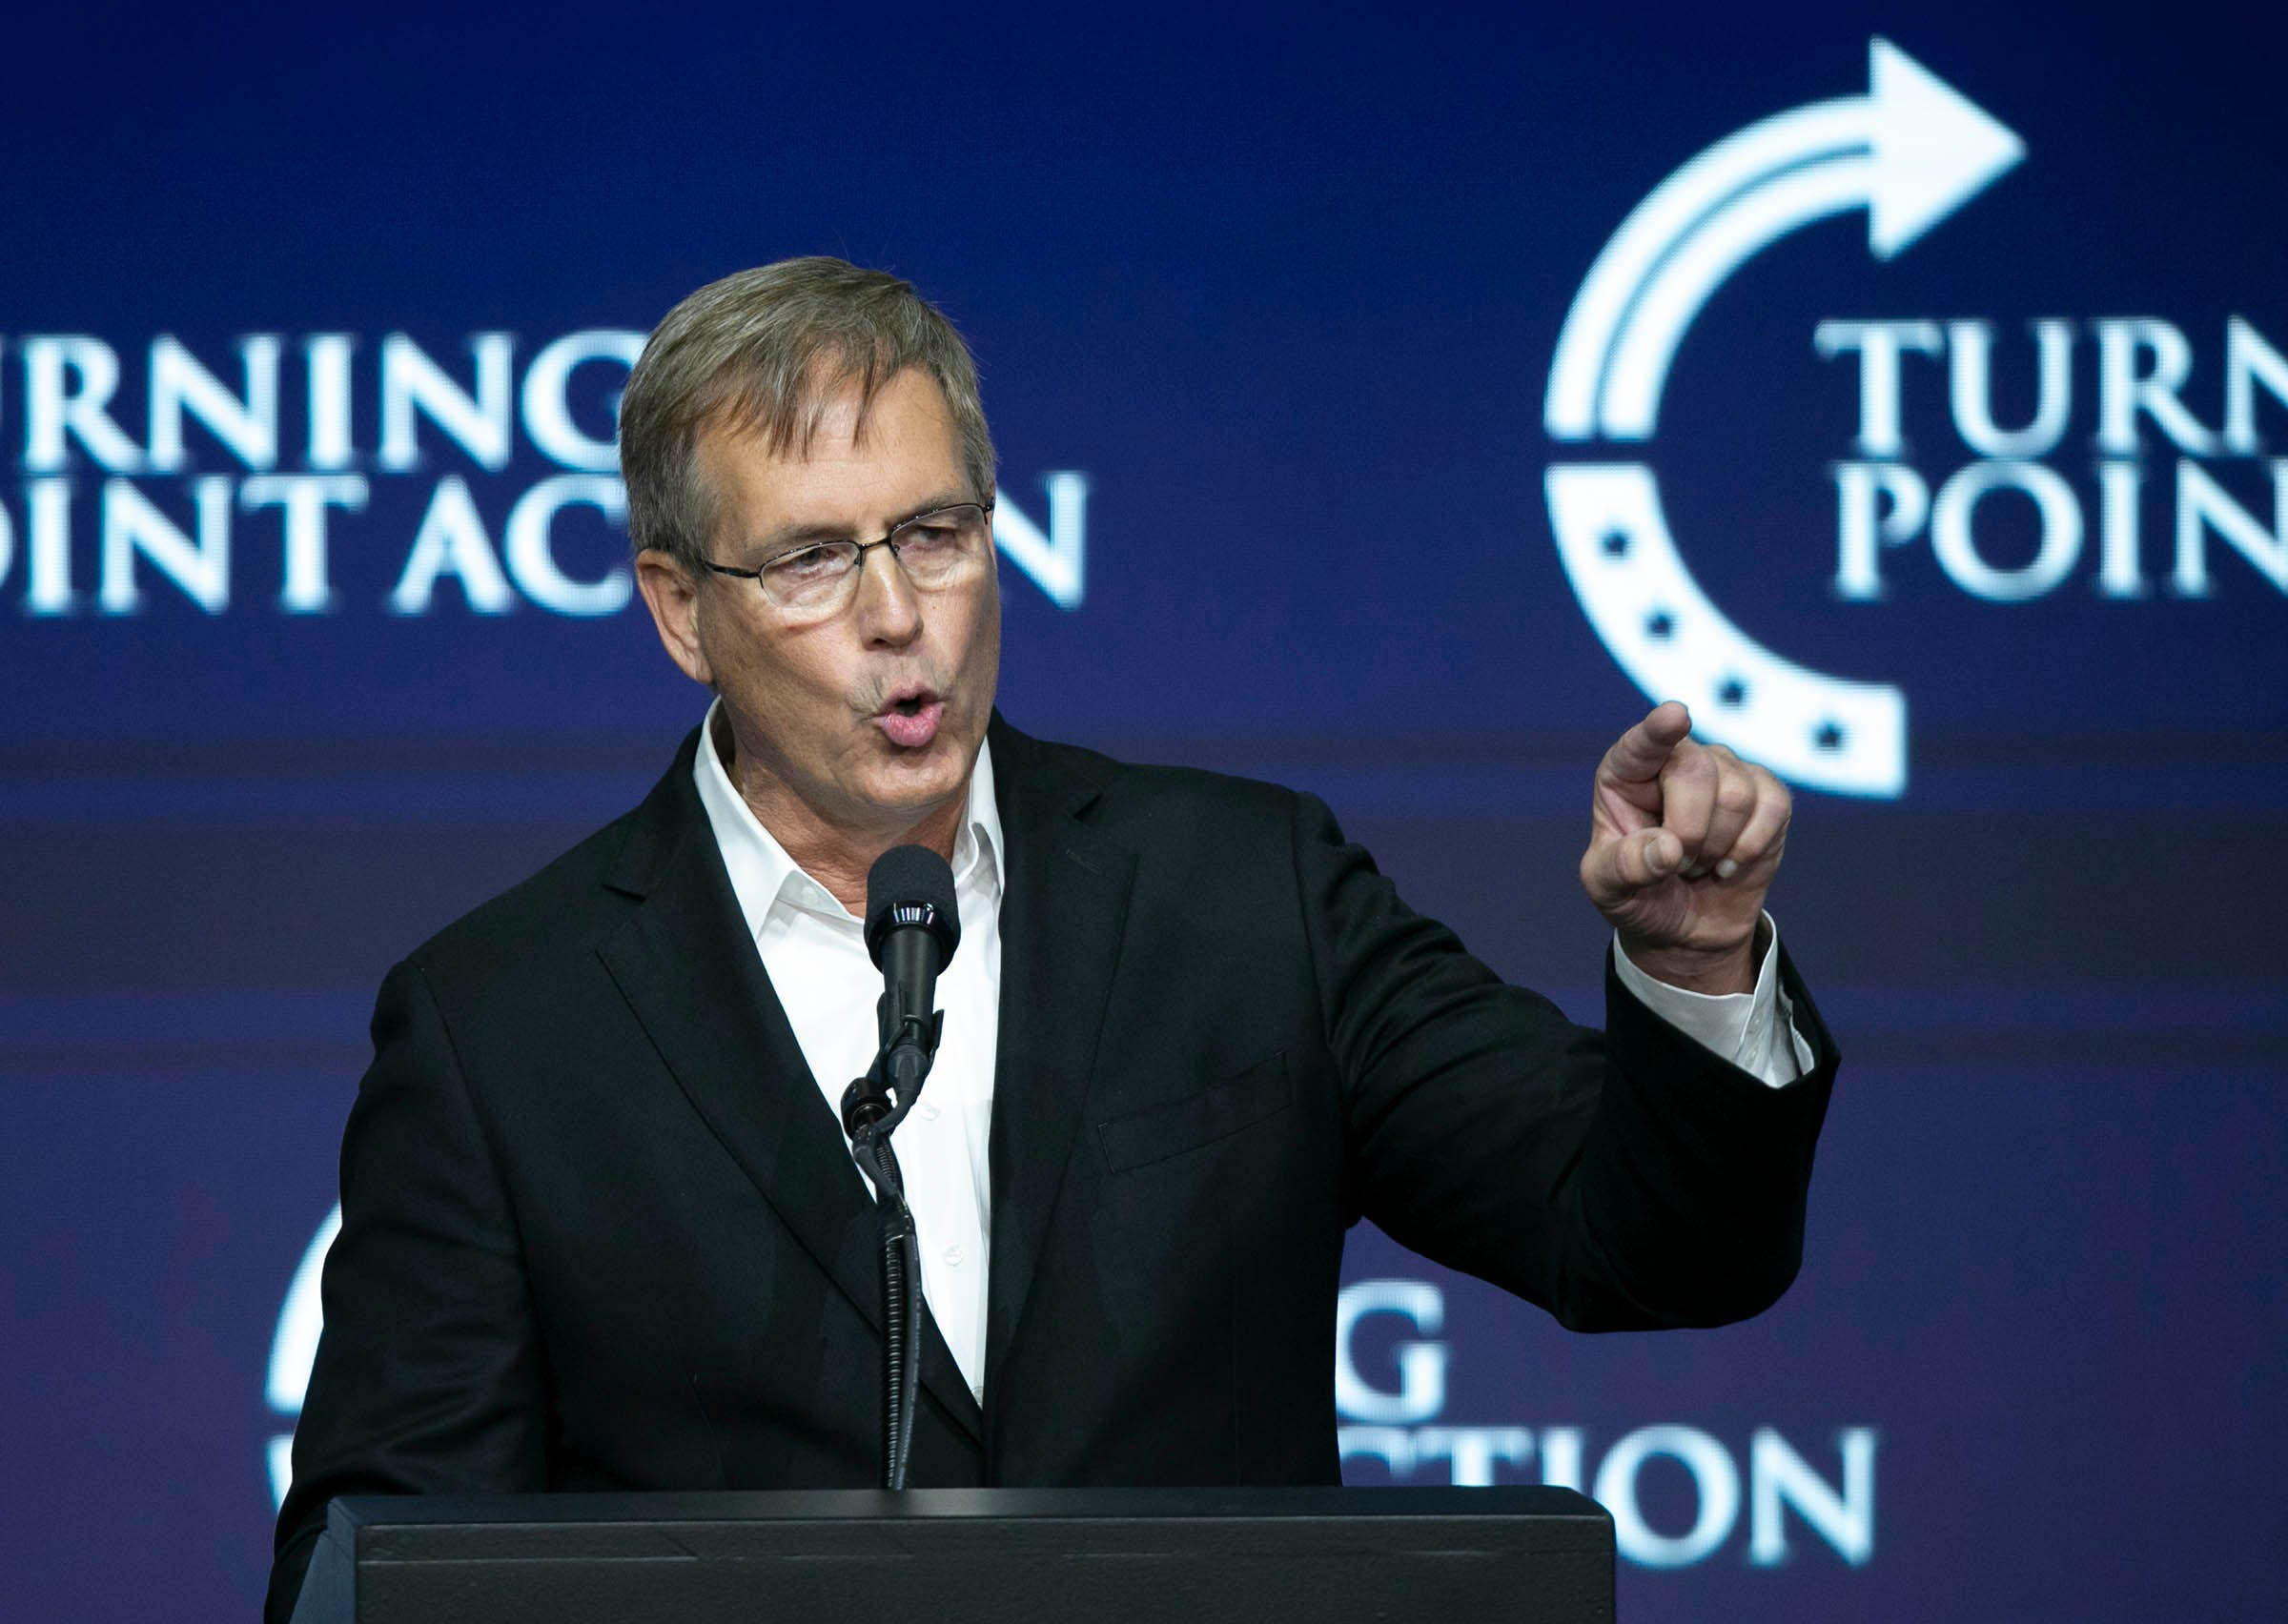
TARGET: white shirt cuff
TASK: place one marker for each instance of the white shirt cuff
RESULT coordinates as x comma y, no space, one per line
1754,1032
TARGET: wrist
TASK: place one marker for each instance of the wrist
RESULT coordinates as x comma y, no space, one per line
1712,972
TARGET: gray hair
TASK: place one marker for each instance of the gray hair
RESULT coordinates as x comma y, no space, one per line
763,351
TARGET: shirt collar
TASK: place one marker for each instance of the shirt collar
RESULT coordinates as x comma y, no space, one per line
766,880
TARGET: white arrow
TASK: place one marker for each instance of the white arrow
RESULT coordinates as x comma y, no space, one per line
1911,151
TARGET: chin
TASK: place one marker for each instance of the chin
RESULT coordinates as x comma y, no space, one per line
914,780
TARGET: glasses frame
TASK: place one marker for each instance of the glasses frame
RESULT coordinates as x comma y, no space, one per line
857,570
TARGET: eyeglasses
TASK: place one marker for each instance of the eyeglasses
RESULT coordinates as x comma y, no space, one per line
817,580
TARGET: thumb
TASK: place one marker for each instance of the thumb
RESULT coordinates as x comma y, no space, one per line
1613,869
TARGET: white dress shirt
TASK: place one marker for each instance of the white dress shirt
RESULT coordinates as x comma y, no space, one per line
814,950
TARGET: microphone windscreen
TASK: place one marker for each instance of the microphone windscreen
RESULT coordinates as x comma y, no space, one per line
911,884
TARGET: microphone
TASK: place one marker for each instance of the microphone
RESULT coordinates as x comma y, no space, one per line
912,925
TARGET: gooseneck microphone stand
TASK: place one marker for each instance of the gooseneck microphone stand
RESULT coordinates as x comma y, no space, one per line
873,1107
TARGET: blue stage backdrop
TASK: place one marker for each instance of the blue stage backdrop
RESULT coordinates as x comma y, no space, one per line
1392,402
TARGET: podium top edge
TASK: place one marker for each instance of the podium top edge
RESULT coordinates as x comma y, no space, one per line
367,1513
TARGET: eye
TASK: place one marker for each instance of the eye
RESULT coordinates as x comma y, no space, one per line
809,564
928,535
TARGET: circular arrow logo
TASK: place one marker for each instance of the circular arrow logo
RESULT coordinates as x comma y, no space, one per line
1910,152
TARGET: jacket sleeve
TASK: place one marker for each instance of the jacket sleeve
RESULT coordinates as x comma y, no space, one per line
427,1376
1623,1180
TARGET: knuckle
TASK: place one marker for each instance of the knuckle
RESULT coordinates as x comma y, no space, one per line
1689,800
1695,761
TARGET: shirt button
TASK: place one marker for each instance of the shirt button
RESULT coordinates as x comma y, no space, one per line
928,1113
953,1257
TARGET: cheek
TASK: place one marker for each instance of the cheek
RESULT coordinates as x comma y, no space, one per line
982,656
746,658
749,673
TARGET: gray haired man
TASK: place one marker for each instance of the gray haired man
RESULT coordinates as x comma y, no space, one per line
600,1226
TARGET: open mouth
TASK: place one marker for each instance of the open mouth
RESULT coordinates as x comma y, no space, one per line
911,718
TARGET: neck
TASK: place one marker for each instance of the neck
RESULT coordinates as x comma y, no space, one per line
841,859
838,856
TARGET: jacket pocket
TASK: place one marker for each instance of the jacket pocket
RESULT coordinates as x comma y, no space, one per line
1218,1111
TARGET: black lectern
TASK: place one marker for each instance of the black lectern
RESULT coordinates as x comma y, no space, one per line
1524,1556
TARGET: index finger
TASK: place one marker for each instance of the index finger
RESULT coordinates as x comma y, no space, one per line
1638,756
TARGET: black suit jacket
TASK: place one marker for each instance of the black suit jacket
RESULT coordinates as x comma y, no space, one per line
600,1229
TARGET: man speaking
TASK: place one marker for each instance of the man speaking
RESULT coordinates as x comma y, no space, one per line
601,1228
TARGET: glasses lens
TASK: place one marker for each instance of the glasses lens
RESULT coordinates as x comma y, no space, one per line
941,547
812,578
937,549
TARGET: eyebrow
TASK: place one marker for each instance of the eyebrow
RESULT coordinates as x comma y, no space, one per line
802,535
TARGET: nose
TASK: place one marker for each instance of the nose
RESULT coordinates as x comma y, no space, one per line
888,609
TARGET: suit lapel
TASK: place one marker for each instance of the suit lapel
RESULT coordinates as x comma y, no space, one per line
1063,908
685,966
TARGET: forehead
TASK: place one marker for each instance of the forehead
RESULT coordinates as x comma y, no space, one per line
862,462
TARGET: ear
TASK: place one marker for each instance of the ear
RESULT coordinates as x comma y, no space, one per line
671,592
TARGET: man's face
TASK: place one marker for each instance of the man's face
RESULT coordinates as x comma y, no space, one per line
871,719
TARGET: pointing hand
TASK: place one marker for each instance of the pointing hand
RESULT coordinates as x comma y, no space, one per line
1683,840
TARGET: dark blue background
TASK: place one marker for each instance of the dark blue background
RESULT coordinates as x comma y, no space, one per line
1286,285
